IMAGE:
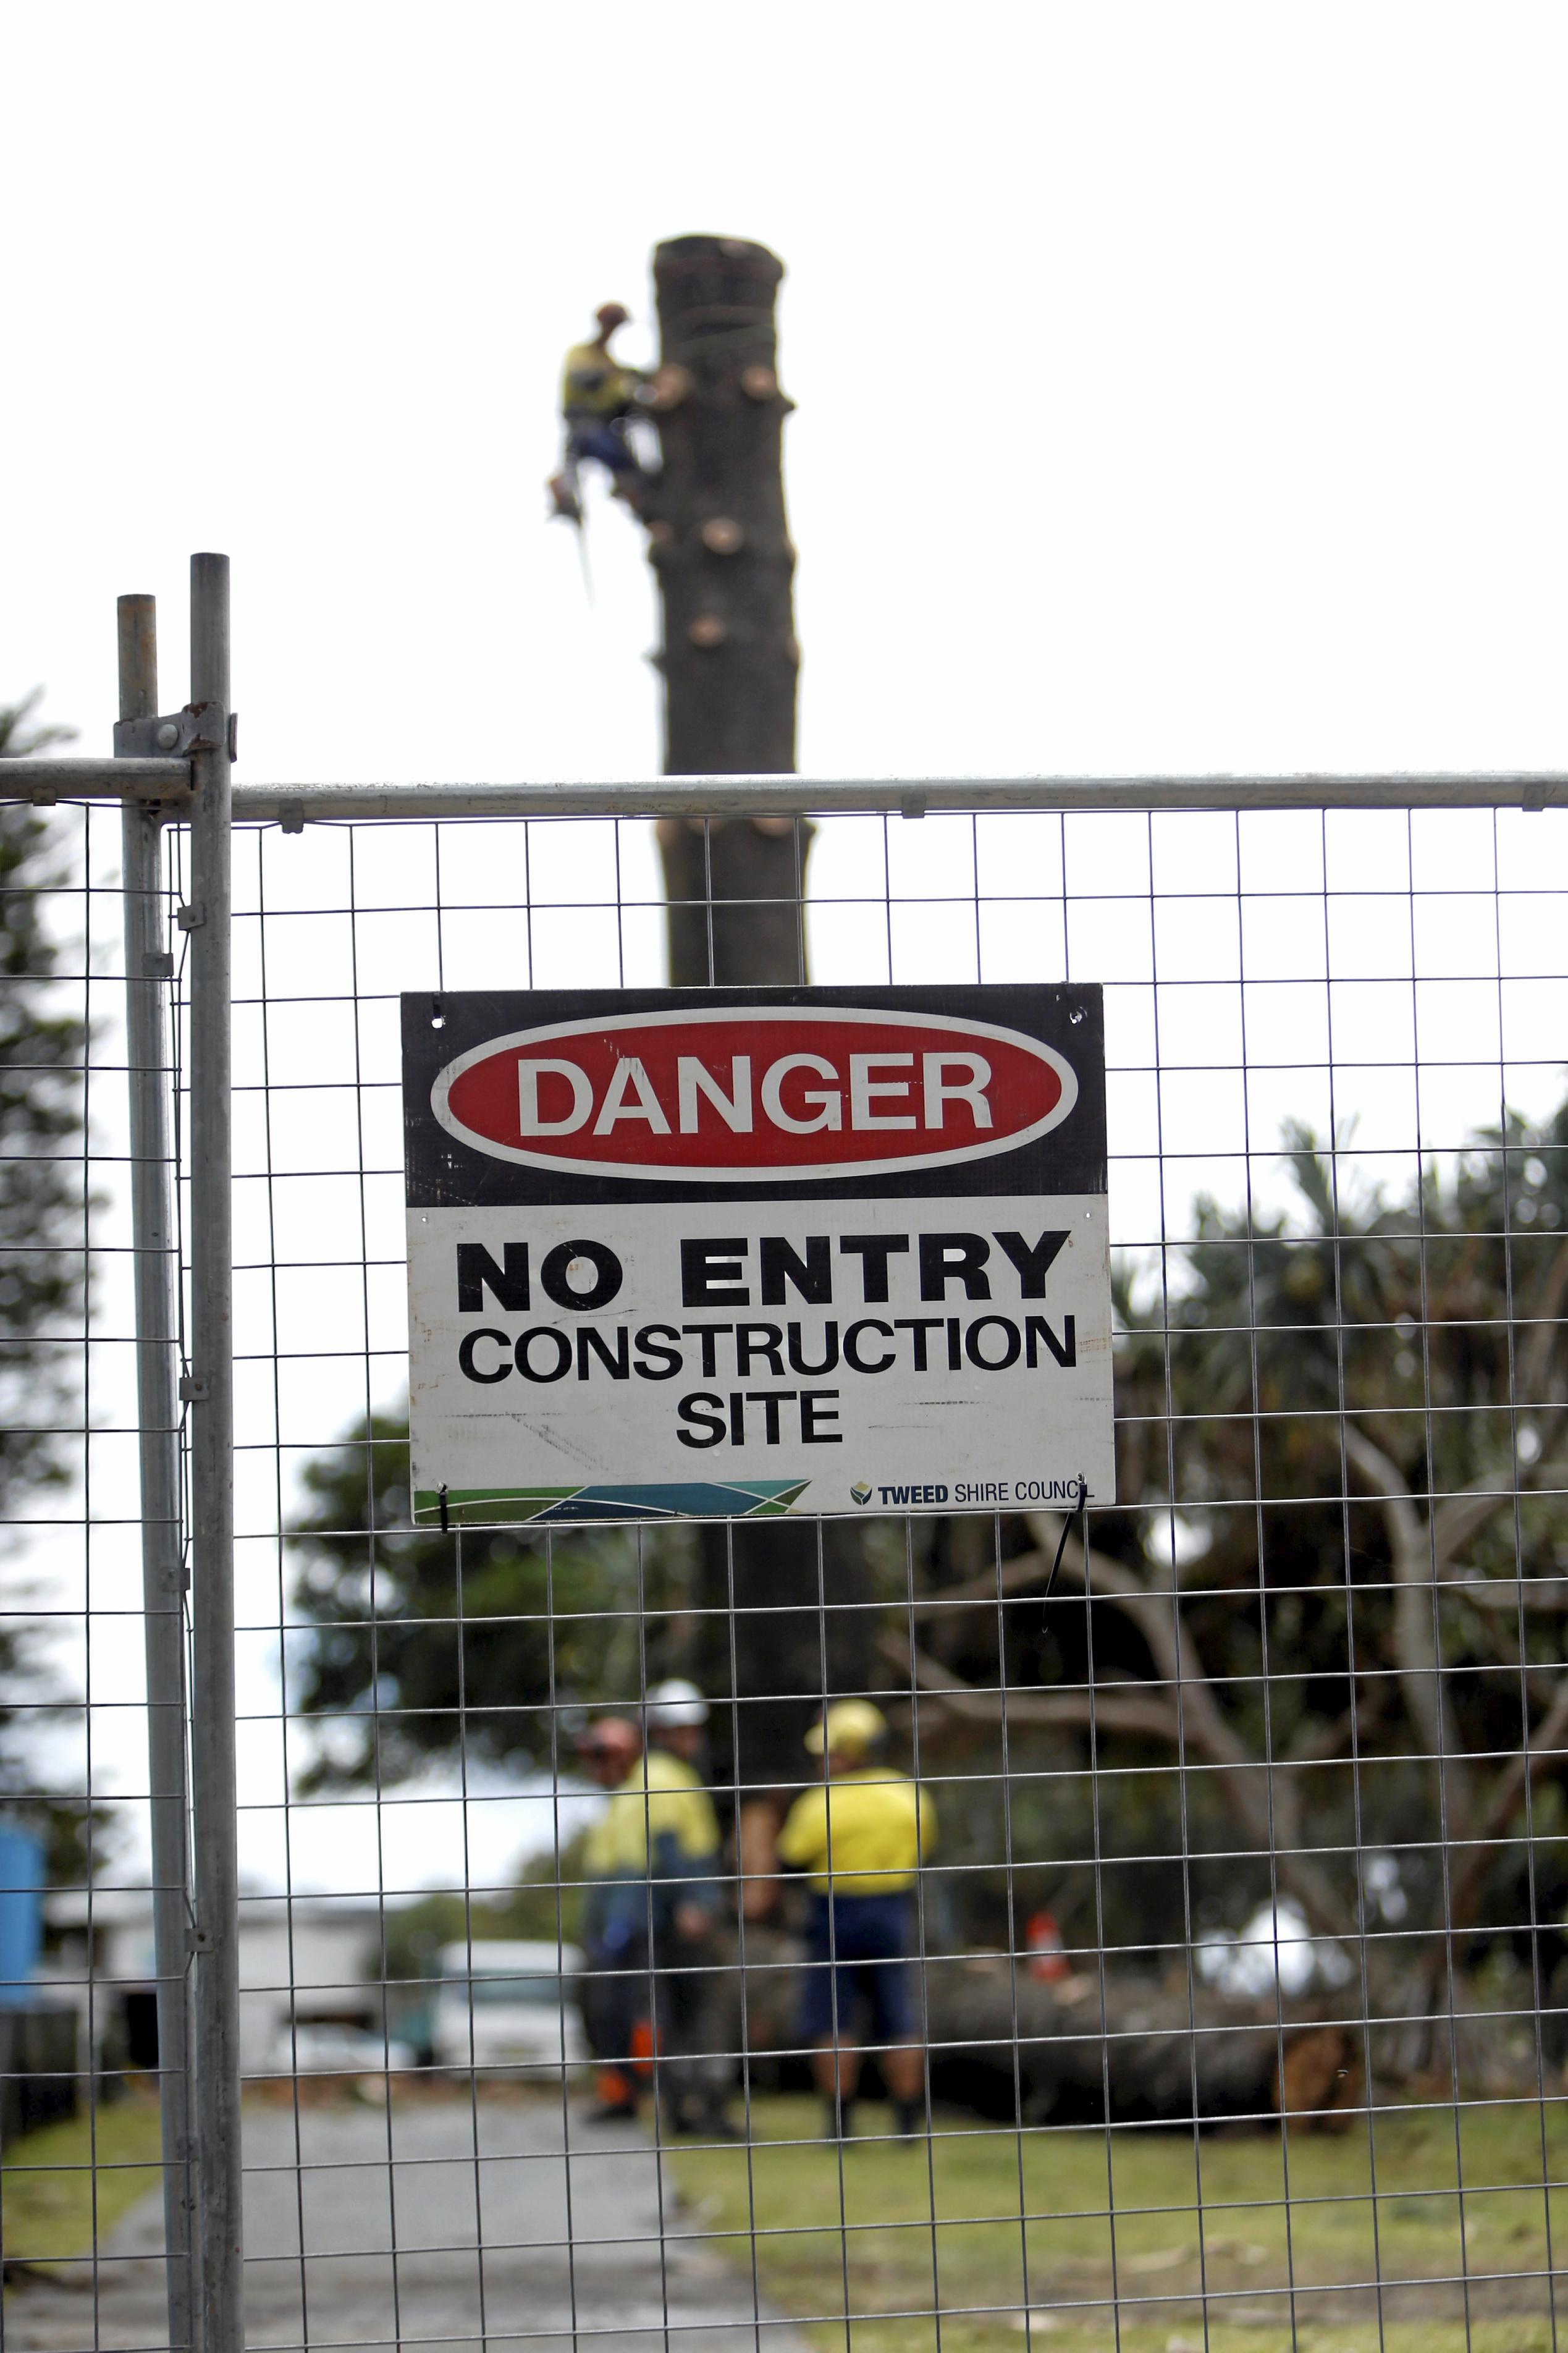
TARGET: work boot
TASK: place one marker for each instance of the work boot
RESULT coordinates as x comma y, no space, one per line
909,2116
840,2117
617,2100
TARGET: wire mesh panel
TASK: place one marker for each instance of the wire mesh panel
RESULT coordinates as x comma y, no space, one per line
1167,1945
83,2170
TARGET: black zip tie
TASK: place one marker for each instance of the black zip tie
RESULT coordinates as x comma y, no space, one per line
1081,1506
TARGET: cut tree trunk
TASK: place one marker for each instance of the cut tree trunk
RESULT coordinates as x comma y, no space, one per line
720,545
720,550
1139,2050
1011,2046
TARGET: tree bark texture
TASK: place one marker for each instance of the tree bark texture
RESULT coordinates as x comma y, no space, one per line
719,546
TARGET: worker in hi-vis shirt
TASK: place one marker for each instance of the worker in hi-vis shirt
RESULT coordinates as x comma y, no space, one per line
598,393
693,2066
649,1862
861,1838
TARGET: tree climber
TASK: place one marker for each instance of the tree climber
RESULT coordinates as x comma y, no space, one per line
597,396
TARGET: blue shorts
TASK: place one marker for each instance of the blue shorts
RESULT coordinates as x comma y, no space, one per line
606,442
857,1954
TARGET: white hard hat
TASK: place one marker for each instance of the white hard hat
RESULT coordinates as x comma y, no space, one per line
676,1707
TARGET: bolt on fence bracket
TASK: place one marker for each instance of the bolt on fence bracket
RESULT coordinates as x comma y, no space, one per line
191,918
199,727
193,1389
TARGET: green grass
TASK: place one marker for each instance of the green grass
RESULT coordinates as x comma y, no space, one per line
48,2211
957,2233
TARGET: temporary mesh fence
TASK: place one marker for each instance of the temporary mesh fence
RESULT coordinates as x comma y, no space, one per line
1233,1994
81,2079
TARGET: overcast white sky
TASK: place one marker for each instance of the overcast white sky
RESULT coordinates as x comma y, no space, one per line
1181,387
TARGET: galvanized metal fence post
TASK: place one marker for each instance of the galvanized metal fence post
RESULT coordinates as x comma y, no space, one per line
154,1245
211,1393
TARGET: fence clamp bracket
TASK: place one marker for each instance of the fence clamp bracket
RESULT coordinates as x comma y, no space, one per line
199,727
191,918
193,1391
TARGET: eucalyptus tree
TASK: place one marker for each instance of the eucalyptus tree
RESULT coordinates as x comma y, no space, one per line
1333,1591
43,1208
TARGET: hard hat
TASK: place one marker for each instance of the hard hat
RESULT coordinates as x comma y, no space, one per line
675,1706
612,1736
850,1728
611,315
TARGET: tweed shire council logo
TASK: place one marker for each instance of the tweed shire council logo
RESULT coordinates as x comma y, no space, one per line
862,1491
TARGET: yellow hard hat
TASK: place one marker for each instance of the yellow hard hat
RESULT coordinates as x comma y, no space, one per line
849,1727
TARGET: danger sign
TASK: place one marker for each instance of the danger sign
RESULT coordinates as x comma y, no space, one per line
736,1253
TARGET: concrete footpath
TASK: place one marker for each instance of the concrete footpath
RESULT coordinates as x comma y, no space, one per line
381,2232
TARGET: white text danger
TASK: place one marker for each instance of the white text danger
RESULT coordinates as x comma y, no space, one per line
797,1094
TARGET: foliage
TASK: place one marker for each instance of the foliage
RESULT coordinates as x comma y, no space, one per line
43,1202
481,1640
1354,1403
1323,1423
42,1050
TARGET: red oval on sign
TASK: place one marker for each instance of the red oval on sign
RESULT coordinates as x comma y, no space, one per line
748,1092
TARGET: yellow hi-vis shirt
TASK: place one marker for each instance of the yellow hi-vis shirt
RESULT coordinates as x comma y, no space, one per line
593,384
660,1795
862,1833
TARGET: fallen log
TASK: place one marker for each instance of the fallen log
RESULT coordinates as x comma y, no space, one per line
1135,2048
1008,2044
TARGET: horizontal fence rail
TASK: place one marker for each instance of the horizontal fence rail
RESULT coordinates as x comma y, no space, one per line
48,780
